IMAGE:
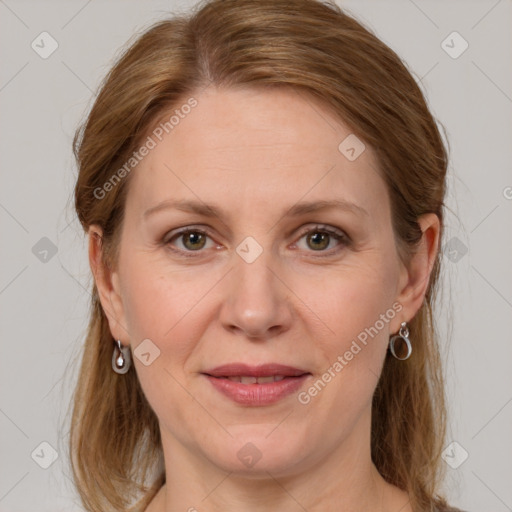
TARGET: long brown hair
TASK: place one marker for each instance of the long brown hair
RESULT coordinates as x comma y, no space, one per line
316,48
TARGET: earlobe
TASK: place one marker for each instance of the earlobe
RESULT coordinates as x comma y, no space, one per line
416,275
108,290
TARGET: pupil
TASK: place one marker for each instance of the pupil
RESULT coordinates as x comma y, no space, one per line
194,237
319,237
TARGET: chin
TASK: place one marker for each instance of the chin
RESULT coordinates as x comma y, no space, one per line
252,452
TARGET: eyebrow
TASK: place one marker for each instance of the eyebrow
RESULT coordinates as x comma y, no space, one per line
210,210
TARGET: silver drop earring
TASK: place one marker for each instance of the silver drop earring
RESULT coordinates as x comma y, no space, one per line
121,358
403,334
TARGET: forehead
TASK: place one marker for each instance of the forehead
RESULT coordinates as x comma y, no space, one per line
253,148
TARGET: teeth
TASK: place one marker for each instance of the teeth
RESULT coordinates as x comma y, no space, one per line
264,380
254,380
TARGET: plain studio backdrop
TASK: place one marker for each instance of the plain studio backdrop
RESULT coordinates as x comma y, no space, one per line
459,52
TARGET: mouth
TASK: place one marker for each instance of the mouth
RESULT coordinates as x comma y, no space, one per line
256,385
245,371
247,379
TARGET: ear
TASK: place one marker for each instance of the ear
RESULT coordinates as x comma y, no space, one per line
107,283
415,276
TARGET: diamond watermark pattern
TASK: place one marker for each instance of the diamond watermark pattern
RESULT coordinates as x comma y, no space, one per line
454,455
44,45
455,249
249,250
454,45
44,250
44,455
249,455
351,147
146,352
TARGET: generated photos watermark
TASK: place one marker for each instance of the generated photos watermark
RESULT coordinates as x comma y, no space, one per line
304,397
150,143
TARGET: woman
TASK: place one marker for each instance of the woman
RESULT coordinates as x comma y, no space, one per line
262,185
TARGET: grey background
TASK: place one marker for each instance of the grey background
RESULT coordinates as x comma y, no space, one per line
44,296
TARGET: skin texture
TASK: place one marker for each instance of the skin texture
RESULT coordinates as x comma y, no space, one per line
255,154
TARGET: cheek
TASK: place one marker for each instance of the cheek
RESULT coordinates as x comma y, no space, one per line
356,309
156,301
150,304
170,307
166,310
353,298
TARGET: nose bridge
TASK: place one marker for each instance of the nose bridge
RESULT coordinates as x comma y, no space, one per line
253,268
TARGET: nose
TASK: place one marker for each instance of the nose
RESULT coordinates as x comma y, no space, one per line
257,304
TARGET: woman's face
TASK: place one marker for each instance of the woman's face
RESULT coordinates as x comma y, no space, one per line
259,282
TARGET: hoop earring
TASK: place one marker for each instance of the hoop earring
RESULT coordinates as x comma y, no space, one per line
121,358
403,334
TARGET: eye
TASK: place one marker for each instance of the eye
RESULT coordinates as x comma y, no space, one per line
319,237
193,240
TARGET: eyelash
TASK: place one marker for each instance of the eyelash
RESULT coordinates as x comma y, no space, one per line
339,235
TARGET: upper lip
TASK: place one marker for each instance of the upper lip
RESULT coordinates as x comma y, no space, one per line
262,370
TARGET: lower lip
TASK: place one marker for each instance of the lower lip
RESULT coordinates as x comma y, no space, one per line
258,394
